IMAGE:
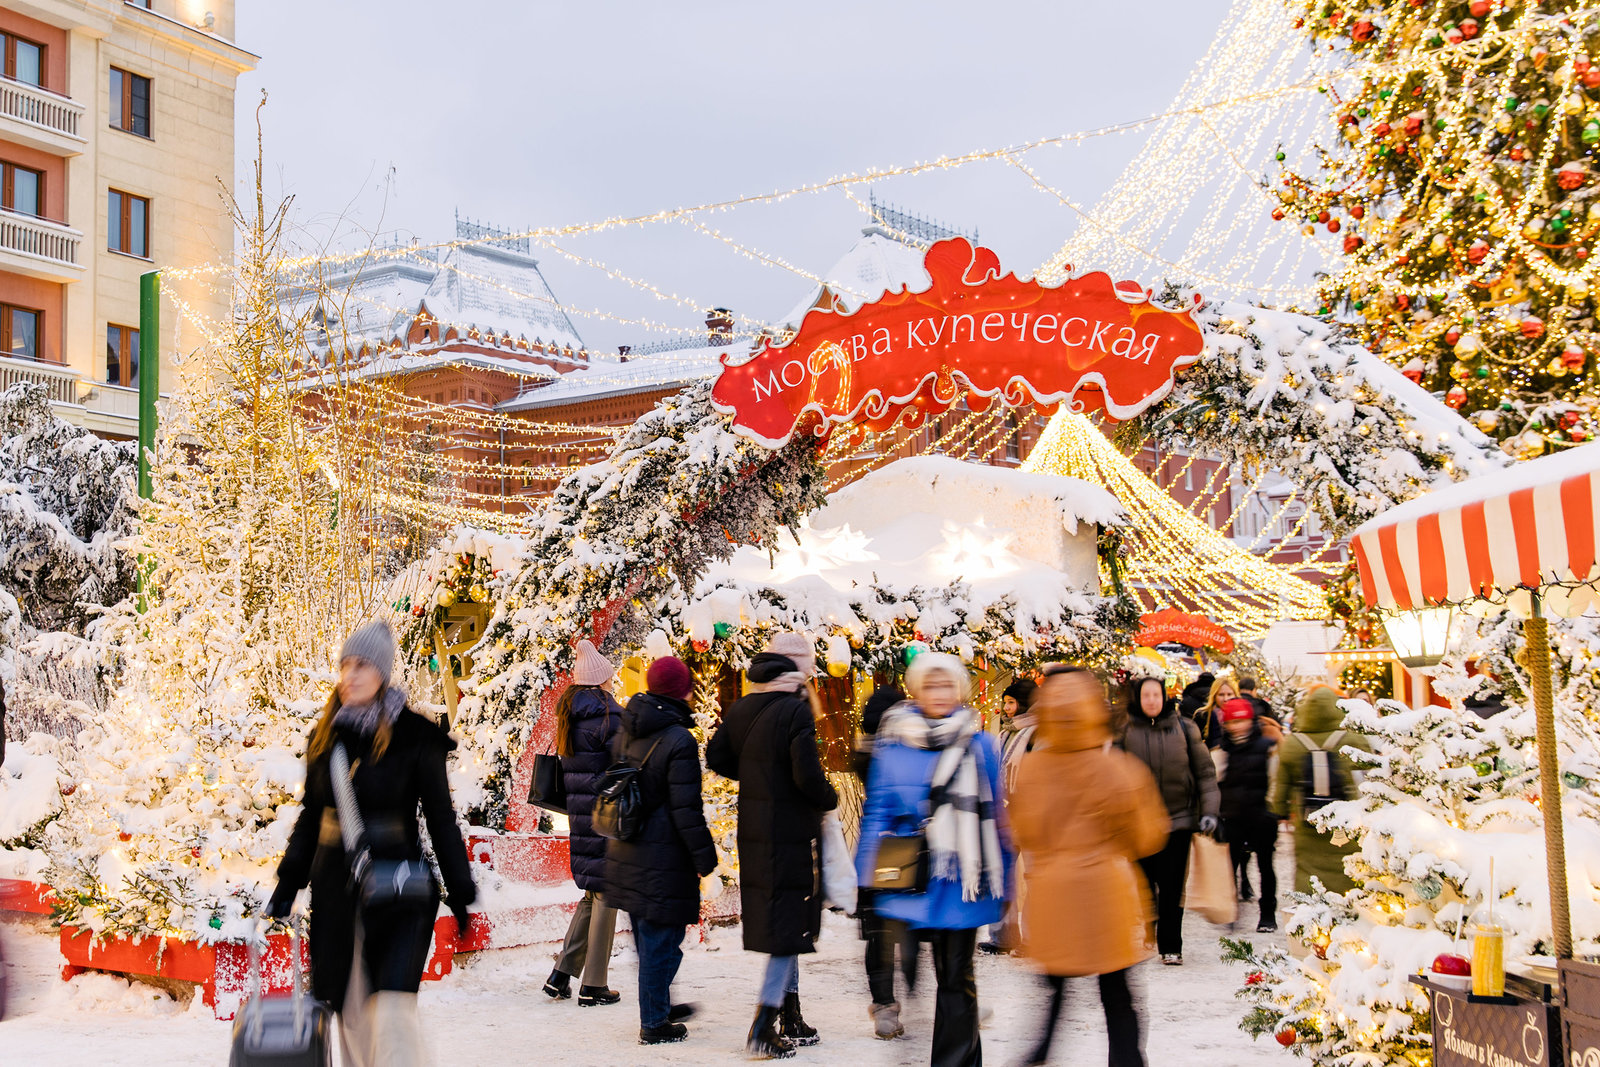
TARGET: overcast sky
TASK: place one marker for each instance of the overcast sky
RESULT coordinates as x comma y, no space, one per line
393,115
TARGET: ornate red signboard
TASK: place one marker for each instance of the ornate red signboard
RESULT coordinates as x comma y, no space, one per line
1089,342
1172,625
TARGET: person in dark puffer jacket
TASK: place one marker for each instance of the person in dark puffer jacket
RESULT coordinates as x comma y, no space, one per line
365,964
768,744
587,720
1250,827
1171,746
655,878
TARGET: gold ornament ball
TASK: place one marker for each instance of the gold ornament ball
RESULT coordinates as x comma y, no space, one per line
447,597
838,670
478,594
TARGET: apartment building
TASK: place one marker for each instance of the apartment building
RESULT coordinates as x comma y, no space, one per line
116,144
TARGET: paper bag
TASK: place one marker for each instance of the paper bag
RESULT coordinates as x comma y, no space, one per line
838,867
1209,889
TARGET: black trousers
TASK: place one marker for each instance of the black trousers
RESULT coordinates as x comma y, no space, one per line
955,1008
1256,835
1122,1022
880,936
1165,871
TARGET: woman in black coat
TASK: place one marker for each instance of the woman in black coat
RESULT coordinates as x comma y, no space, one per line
367,965
587,720
768,744
655,877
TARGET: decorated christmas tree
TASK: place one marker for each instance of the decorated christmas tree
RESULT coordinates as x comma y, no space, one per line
1462,187
1450,790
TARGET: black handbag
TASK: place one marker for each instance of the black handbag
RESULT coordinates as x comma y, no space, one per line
619,809
549,788
274,1030
379,883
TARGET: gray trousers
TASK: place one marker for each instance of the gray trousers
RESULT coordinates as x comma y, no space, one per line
587,949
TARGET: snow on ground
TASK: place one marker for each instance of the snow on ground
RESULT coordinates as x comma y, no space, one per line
491,1011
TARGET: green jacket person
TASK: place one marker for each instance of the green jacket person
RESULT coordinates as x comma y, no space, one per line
1318,717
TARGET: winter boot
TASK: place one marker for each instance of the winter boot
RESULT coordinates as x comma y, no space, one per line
665,1034
682,1013
886,1021
558,986
792,1026
764,1042
590,995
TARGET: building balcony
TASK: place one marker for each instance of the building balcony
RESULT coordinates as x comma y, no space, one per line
60,381
40,119
39,248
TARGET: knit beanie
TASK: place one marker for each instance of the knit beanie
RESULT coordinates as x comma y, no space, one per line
1021,691
373,644
591,667
669,677
798,648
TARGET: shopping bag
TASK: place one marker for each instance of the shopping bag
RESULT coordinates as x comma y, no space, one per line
1209,889
838,869
549,787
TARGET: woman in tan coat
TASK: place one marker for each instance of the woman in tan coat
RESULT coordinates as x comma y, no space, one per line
1083,814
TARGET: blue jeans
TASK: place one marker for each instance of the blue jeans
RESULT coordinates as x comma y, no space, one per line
783,976
660,954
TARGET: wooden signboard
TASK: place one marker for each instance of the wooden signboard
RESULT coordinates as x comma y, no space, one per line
1505,1032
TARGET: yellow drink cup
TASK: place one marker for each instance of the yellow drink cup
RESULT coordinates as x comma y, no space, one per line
1488,960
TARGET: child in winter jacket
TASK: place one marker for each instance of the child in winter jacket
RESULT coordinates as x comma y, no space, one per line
1251,829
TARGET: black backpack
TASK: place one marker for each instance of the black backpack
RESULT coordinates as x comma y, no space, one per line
619,808
1322,779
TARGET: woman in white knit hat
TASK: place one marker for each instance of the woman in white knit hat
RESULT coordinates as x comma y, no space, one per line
587,718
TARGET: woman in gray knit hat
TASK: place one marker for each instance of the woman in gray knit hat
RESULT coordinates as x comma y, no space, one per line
367,963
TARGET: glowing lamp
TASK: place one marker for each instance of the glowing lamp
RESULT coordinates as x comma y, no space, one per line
1420,638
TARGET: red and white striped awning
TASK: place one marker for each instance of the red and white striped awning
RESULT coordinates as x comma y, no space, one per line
1530,526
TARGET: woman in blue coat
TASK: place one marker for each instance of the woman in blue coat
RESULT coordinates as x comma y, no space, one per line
936,772
587,719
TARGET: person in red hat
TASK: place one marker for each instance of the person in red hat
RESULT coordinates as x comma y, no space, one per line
1250,827
655,876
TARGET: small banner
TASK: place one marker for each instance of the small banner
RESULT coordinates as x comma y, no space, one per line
1089,342
1170,625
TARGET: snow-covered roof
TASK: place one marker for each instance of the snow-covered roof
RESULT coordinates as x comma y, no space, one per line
929,523
659,370
875,264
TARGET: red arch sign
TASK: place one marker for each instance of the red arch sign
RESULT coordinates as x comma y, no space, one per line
1089,342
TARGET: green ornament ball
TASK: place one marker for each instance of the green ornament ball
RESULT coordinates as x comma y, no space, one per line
1483,372
721,629
1430,886
1279,157
216,922
433,663
1511,104
1363,112
1565,213
1505,405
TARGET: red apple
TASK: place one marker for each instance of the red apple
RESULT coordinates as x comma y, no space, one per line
1447,963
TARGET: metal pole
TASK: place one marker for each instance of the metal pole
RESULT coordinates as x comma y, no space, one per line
149,372
1536,631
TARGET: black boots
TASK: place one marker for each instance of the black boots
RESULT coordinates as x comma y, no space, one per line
665,1034
558,986
590,995
765,1043
792,1026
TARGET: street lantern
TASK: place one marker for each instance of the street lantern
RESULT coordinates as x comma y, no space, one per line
1420,637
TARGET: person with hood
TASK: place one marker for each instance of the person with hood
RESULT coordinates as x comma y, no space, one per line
1195,694
880,934
937,773
655,877
1317,720
1248,824
366,963
1084,814
767,742
1017,739
587,720
1172,748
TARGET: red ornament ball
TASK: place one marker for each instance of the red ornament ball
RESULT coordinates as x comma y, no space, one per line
1333,225
124,836
69,789
1591,78
1286,1036
1572,358
1357,211
1456,397
1362,31
1469,28
1323,216
1581,64
1277,214
1451,336
1532,327
1352,242
1479,8
195,852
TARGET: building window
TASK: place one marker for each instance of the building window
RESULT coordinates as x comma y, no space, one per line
1013,436
24,59
19,332
128,224
130,102
122,355
21,189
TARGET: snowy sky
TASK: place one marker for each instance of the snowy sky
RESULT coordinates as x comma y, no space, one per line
389,115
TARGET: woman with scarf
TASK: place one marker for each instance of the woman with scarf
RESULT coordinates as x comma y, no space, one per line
936,772
767,742
366,964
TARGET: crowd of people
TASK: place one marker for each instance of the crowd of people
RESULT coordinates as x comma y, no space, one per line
1063,830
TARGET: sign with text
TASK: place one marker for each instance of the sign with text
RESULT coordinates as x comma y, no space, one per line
1516,1034
1088,342
1171,626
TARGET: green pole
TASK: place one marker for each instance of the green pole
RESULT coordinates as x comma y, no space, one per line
149,372
149,390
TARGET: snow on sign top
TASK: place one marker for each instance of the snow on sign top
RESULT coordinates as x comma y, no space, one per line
924,523
1095,343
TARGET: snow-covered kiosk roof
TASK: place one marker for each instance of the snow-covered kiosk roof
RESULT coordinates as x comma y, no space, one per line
971,554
